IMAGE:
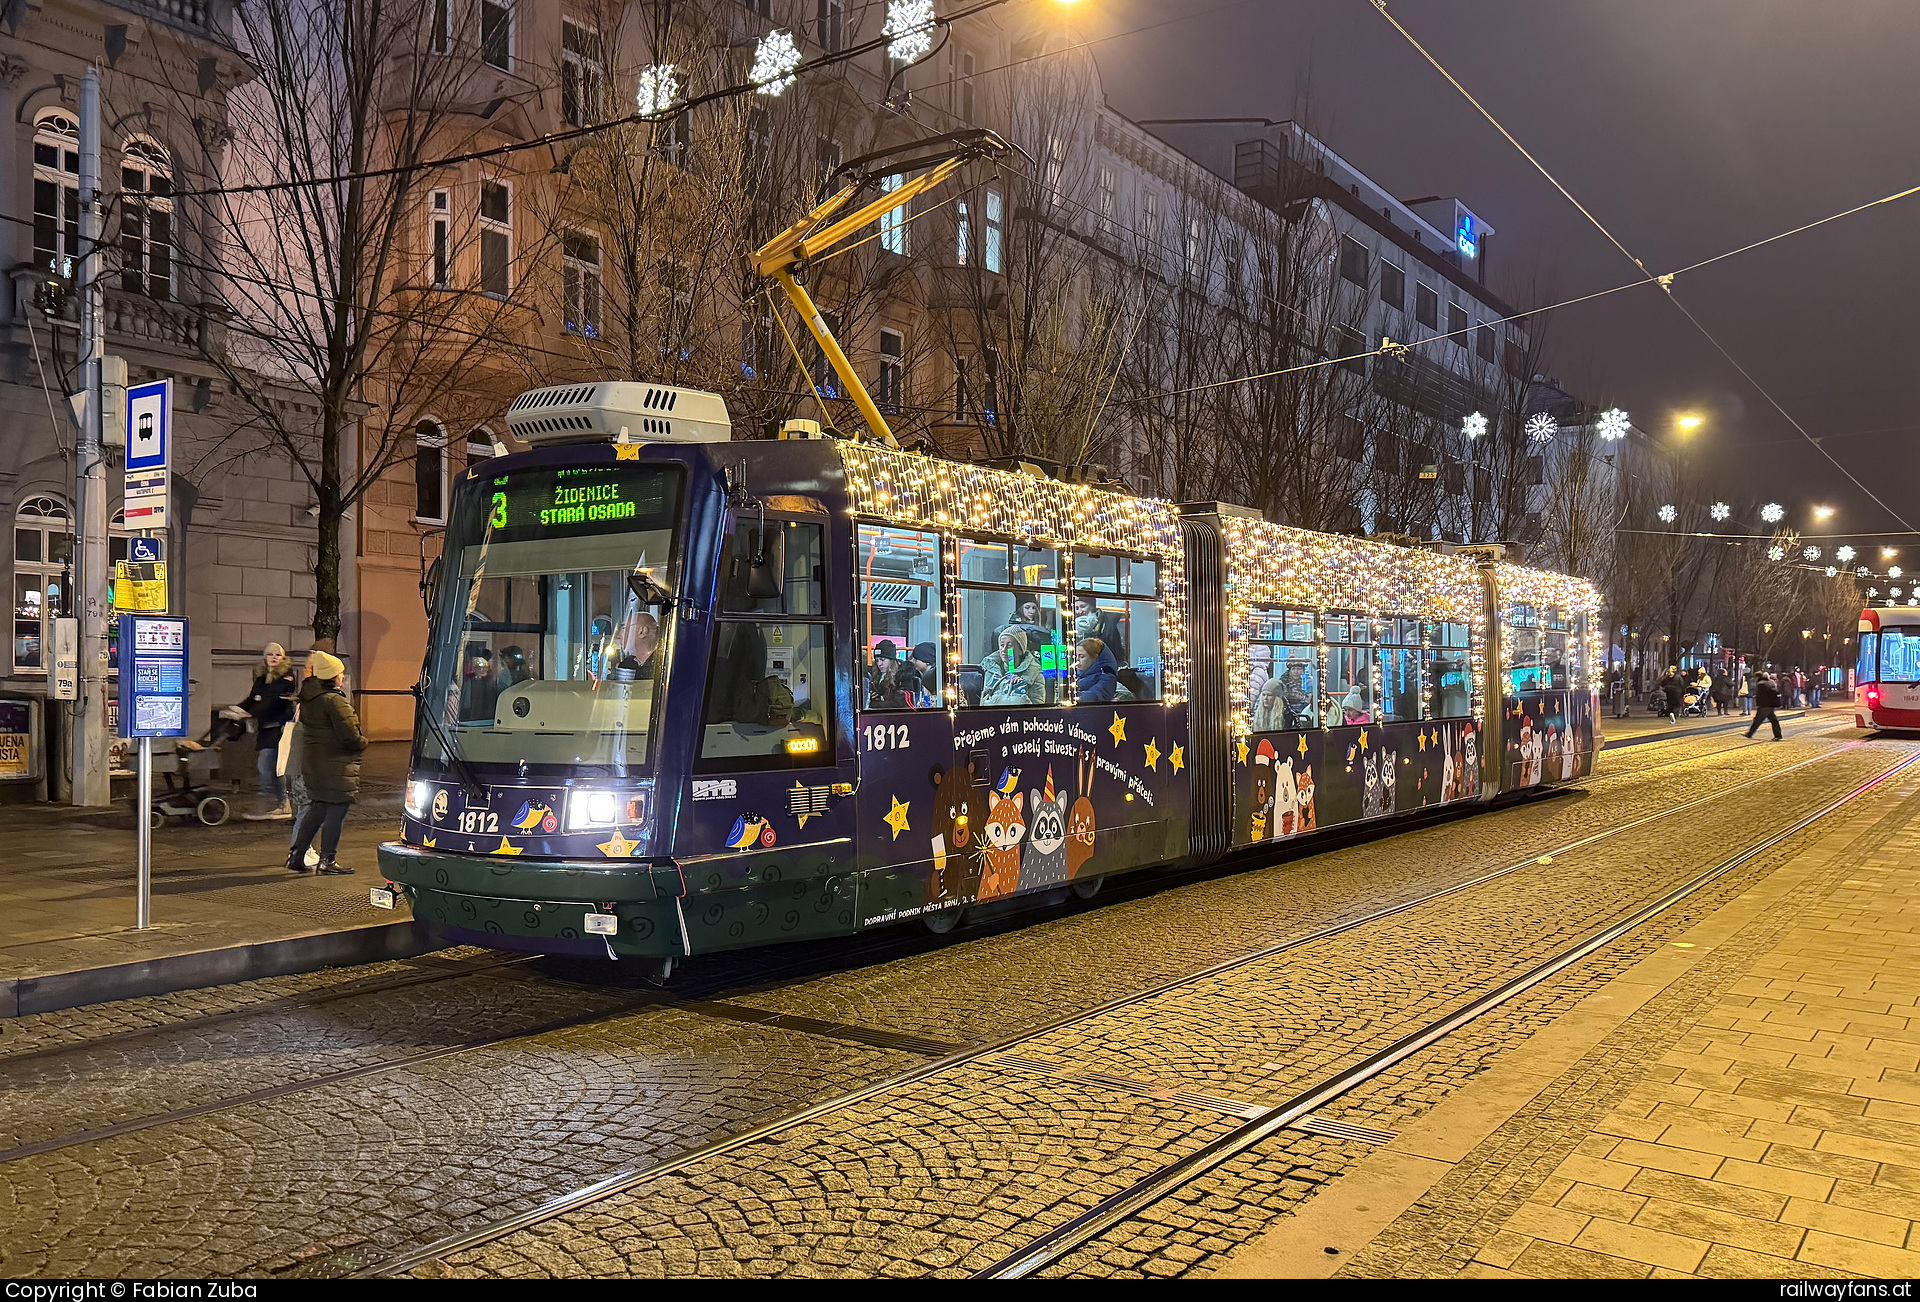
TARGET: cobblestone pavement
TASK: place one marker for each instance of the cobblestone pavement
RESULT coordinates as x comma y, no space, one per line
937,1178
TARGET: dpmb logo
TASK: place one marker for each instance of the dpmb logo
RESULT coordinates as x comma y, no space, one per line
715,788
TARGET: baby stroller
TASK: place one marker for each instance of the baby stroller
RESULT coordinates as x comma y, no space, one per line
1693,702
185,792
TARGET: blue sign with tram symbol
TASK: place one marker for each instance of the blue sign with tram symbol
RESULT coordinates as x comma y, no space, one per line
153,676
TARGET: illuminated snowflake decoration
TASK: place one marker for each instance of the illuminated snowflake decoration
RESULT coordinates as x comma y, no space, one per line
1863,571
1844,554
775,61
659,90
1832,572
1719,510
1893,571
909,29
1474,426
1773,513
1893,592
1613,425
1776,553
1811,552
1541,427
1669,513
1873,592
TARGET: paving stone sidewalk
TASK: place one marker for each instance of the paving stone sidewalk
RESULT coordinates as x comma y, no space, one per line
67,884
1778,1136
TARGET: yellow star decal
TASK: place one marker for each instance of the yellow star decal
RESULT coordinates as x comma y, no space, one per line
626,452
431,842
801,786
619,847
1245,749
1153,754
1118,728
1363,739
1423,741
897,816
1178,758
505,847
1303,745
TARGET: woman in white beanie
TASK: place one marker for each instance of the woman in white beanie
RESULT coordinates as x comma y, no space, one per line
330,747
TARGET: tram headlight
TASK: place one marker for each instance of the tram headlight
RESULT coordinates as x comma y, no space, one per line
419,799
589,809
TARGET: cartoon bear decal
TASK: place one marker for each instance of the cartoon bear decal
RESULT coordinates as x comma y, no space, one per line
956,831
1263,790
1286,799
1003,830
1045,863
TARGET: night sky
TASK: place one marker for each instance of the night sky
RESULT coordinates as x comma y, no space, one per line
1689,127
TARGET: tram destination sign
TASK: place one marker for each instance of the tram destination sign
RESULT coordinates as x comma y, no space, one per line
554,503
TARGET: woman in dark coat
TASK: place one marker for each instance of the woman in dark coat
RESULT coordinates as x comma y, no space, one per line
271,705
330,746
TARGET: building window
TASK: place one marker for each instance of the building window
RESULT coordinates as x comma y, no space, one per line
496,34
1109,202
966,88
1056,165
832,25
962,398
990,398
996,230
1353,261
674,138
583,76
1150,228
1350,349
442,239
1485,340
580,274
480,446
761,9
826,160
1393,287
757,346
429,472
1426,306
759,142
496,238
893,222
42,552
1192,247
1457,323
962,233
440,29
56,194
146,221
893,369
825,378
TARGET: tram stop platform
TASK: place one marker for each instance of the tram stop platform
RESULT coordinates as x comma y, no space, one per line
224,908
1742,1103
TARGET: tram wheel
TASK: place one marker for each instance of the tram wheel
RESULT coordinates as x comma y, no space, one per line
942,922
1087,887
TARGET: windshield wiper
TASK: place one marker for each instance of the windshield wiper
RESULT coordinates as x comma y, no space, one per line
474,788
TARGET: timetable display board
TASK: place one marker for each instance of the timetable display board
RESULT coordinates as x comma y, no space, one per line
153,676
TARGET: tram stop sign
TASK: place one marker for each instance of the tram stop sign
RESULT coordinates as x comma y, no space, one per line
153,676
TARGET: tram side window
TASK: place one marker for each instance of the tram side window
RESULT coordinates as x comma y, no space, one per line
1868,668
1011,652
1116,603
792,548
897,612
1900,655
1401,670
768,695
1556,655
1524,668
1450,671
1283,682
1348,698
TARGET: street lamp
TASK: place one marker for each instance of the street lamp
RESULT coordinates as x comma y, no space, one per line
1888,553
1689,422
1822,512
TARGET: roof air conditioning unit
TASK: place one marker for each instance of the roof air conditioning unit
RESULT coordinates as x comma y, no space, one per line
620,411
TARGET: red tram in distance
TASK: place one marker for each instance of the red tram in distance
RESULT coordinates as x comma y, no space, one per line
1887,691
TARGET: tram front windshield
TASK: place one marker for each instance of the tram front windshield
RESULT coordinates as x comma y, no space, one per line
554,613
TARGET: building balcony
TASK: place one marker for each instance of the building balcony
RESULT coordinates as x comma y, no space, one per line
212,17
133,320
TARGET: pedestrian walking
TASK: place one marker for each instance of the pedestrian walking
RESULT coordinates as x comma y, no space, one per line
271,705
1766,700
1746,688
330,747
1671,688
1721,691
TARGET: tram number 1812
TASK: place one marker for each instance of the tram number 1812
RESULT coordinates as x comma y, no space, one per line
887,736
479,820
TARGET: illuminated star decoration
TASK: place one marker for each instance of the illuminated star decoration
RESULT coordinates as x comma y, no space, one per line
1474,426
897,816
775,60
1153,754
1613,425
1668,514
1541,427
1118,728
909,29
1719,510
1844,553
1177,757
1773,513
1776,553
618,847
659,90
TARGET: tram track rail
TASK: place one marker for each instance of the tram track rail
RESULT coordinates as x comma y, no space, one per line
626,1180
1054,1246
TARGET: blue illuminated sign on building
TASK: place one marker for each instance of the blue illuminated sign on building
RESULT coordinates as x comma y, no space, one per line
1469,245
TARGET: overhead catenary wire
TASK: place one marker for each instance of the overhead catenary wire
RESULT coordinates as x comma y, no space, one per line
1665,281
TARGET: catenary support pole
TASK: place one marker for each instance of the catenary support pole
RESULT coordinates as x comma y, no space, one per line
90,777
